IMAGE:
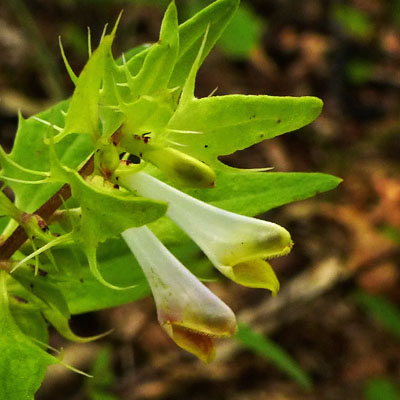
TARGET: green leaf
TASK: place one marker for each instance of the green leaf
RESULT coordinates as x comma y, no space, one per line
39,285
215,18
31,323
160,59
22,363
243,34
61,324
353,20
3,223
251,193
50,299
30,151
268,349
382,310
394,10
381,389
235,122
391,232
83,113
117,266
191,33
98,388
359,71
146,114
7,207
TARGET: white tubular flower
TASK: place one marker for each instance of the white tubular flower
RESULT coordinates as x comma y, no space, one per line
187,310
235,244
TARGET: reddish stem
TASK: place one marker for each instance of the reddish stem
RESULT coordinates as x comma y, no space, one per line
19,236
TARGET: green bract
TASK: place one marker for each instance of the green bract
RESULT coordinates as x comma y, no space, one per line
75,195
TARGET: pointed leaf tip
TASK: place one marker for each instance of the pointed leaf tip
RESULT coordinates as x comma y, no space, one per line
94,269
70,71
114,30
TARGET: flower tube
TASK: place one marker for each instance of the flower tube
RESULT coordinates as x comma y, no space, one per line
235,244
187,310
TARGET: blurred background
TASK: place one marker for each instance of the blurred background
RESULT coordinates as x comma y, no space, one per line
333,332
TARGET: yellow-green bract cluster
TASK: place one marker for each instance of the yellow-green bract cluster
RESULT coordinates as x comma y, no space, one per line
144,105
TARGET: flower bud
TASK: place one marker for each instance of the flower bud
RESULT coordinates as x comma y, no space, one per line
182,168
106,157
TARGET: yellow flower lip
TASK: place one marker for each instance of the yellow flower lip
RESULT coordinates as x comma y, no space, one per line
201,345
252,270
212,321
255,274
197,340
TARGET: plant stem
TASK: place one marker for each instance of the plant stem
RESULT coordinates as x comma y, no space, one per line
18,237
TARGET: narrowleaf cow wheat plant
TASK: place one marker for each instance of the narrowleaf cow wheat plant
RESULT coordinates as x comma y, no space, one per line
89,229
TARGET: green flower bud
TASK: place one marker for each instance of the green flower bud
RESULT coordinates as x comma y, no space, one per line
182,168
106,157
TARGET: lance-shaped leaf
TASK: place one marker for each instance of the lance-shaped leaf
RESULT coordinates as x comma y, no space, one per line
215,18
31,323
31,152
22,363
83,113
46,293
237,245
230,123
191,33
251,194
160,60
8,208
50,300
187,310
146,114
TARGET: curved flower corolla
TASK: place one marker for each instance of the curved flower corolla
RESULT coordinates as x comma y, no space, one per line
235,244
187,310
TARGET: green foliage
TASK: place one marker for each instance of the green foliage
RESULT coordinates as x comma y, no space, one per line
266,348
395,11
243,34
254,193
23,363
359,71
30,135
382,310
381,389
143,105
82,115
235,122
98,388
392,233
354,21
